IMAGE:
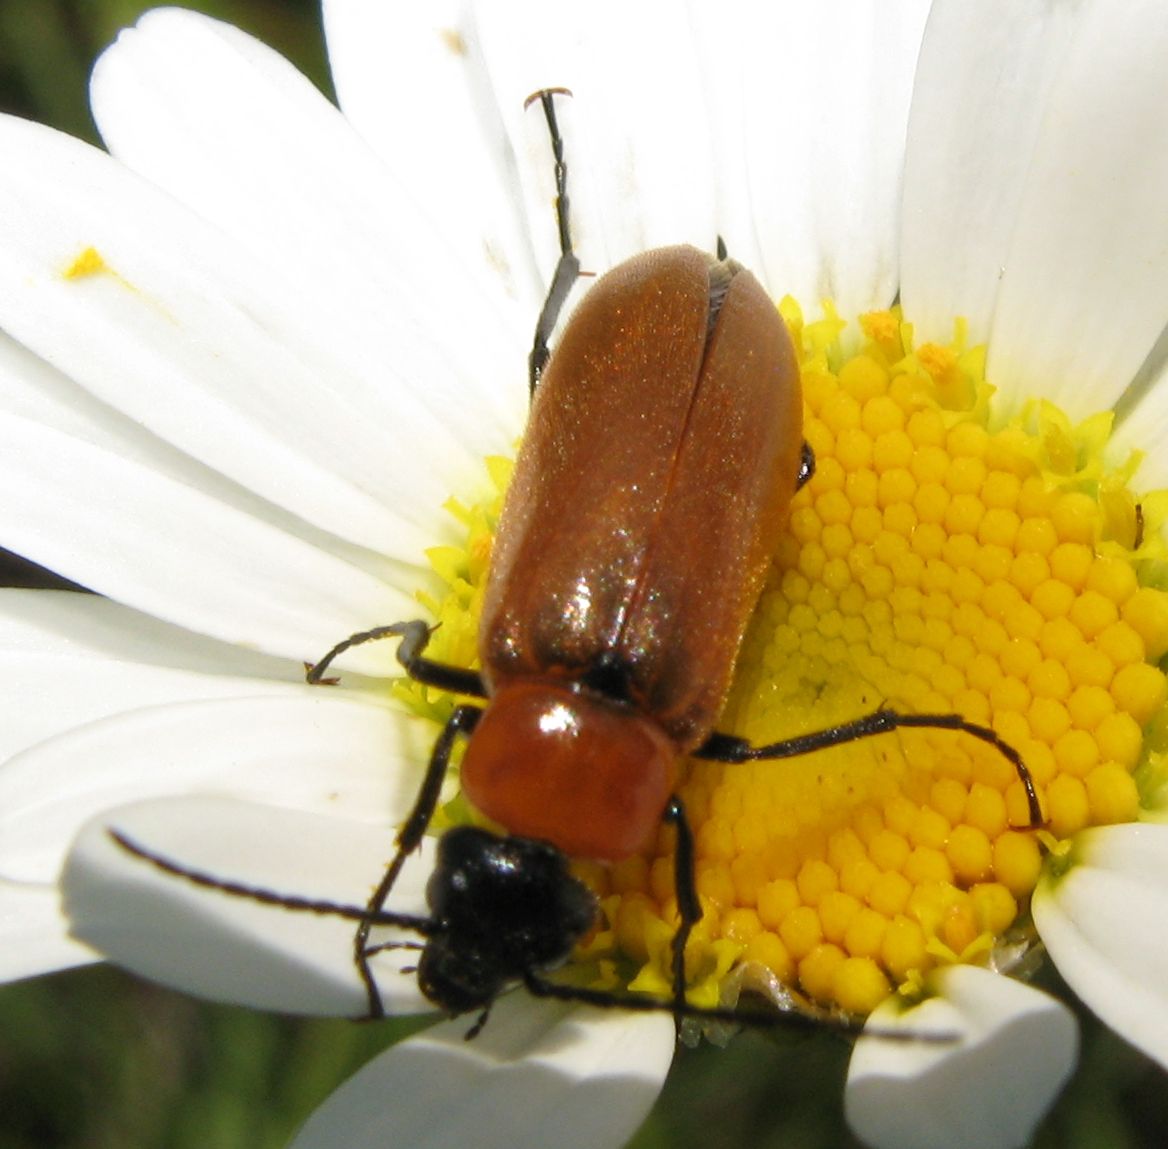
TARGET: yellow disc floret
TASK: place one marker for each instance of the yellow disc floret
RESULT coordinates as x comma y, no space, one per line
942,563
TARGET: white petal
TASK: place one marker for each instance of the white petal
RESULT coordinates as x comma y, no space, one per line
204,111
1143,426
1105,923
1015,1049
719,32
312,749
410,78
636,132
69,659
216,353
233,948
827,89
979,100
32,933
538,1075
171,551
1085,288
33,389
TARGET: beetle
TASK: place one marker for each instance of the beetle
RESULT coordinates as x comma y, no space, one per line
663,448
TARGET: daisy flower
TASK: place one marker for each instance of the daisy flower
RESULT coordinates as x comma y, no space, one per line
249,356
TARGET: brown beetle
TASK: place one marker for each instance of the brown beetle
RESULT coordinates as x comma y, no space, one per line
647,502
663,449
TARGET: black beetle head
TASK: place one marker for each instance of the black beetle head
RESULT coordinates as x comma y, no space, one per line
502,907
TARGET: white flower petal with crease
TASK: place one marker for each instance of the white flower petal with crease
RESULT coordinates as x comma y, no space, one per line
216,352
364,248
309,749
74,658
232,948
826,150
1105,923
1015,1049
379,54
970,141
539,1074
1084,292
169,550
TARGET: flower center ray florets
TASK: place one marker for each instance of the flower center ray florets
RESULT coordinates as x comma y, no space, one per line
938,562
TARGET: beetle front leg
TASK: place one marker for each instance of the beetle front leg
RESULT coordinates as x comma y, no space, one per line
462,721
414,635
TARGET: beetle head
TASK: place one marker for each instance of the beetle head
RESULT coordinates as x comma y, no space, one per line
502,907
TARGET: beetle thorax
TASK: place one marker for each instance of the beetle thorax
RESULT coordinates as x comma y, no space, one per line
587,774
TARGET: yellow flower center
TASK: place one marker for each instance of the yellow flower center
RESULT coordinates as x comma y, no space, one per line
937,563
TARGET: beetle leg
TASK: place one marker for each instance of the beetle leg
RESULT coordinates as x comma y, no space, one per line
728,748
461,722
568,267
689,909
414,637
480,1021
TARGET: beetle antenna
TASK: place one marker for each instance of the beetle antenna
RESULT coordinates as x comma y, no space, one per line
804,1017
568,267
321,906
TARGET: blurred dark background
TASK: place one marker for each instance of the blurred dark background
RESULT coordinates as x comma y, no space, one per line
96,1059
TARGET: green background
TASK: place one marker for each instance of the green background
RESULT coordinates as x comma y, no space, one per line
94,1058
